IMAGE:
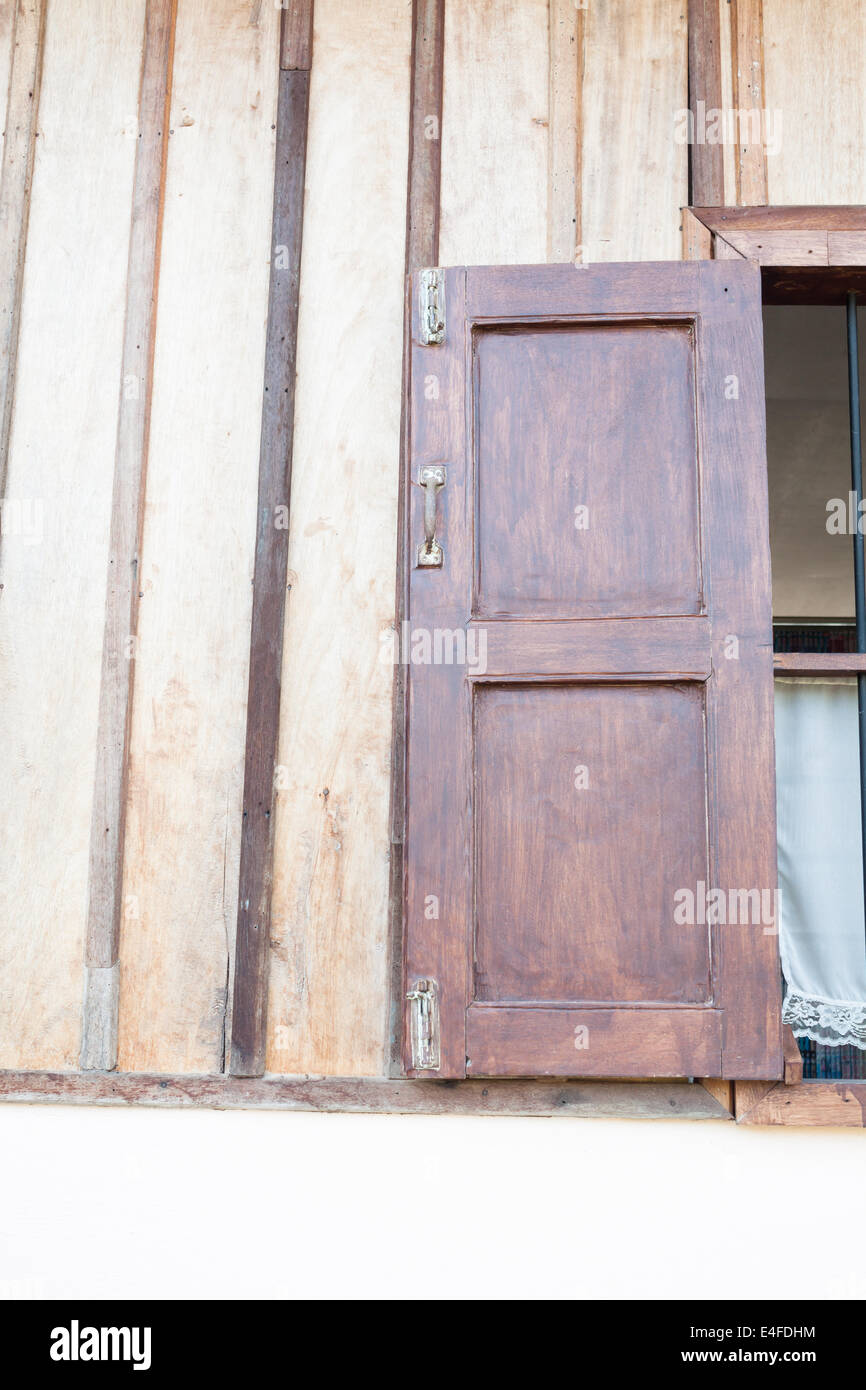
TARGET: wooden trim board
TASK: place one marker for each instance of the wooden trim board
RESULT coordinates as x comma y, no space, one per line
554,1099
422,249
250,1006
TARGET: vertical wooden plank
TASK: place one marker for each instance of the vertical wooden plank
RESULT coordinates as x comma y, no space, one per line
422,249
729,146
108,815
296,36
425,134
61,467
16,175
182,846
328,996
747,53
814,63
705,94
249,1012
7,29
495,133
634,173
564,139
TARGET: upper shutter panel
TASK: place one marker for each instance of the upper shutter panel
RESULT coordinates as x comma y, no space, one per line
590,738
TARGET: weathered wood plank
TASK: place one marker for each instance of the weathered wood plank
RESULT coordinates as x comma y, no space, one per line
296,36
7,30
747,55
328,996
422,249
780,247
729,147
793,1058
838,217
634,178
425,134
846,248
16,175
705,87
61,466
249,1012
815,58
557,1100
818,663
108,815
811,1103
184,815
697,239
495,133
567,42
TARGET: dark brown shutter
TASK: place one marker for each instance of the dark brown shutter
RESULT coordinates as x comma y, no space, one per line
615,748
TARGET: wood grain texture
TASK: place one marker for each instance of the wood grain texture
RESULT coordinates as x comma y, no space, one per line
564,146
642,376
187,744
495,133
840,217
809,1104
818,663
541,1042
814,59
747,56
707,183
779,247
634,840
108,814
21,112
697,239
7,29
329,969
61,467
547,1099
252,950
296,35
425,134
793,1058
846,248
729,148
634,174
422,249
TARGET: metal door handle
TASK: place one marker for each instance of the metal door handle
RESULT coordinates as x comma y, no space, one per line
430,552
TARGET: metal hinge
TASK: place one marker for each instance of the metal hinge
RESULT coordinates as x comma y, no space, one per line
424,1025
432,288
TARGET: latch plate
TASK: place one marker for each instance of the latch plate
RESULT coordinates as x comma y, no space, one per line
432,294
423,1000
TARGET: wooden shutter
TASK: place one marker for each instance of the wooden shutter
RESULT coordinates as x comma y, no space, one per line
613,744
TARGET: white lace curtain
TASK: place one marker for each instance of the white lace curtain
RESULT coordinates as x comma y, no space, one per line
823,946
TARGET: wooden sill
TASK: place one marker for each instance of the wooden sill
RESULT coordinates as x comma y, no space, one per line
637,1100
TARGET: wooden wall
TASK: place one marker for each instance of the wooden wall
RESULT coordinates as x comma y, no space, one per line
557,143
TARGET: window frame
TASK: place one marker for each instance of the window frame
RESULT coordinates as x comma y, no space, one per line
803,251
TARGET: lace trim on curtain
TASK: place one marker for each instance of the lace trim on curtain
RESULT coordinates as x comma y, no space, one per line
831,1022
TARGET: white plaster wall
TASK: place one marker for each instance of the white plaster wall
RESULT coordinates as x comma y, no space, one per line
139,1203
